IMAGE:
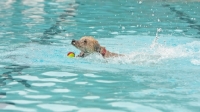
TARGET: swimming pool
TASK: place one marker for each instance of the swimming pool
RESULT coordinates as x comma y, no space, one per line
160,71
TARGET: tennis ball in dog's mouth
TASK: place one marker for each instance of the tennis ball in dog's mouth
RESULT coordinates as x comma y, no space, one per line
71,54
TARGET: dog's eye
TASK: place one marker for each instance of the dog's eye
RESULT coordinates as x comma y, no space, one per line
85,41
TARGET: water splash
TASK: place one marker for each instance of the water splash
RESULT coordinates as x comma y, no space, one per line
155,41
51,55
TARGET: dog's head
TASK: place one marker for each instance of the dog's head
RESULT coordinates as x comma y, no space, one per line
87,45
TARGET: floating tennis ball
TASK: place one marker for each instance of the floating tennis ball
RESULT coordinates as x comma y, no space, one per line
71,54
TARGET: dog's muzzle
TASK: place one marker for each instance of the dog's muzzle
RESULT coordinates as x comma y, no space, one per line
73,42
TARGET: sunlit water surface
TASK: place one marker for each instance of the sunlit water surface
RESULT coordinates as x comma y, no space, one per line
159,72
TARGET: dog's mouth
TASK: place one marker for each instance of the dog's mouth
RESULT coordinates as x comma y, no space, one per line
73,42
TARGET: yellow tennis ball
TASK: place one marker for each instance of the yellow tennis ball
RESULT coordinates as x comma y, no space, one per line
71,54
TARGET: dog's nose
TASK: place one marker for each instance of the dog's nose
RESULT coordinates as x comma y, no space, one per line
73,41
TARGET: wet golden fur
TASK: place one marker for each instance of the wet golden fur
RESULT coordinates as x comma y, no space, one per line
88,45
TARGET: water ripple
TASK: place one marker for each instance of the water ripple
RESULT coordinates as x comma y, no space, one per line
38,96
91,75
35,78
57,107
106,81
134,107
18,108
42,84
61,90
91,97
59,74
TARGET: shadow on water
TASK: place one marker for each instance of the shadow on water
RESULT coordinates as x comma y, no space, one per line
44,39
56,28
13,69
184,17
7,76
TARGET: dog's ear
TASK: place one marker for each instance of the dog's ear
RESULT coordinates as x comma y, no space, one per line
97,47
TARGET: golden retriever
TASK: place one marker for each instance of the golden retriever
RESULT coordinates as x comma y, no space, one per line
88,45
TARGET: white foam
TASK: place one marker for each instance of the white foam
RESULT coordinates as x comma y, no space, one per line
195,61
156,53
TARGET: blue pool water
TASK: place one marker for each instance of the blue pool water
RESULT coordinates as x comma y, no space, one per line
159,73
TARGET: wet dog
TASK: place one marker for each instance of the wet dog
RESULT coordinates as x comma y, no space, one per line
88,45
